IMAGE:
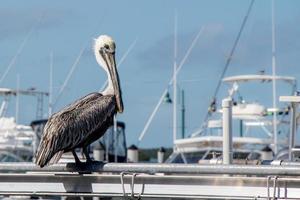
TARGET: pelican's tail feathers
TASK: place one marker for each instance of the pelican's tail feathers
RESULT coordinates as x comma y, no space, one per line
45,154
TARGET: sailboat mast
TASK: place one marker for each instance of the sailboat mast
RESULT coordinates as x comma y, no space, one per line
50,85
175,82
274,82
17,98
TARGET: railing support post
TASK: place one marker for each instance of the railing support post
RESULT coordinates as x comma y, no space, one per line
293,125
227,130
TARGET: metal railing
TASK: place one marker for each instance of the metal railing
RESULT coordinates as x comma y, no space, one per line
284,169
134,180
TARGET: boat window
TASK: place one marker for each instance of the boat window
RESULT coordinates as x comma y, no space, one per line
177,159
213,154
194,157
7,158
253,156
2,157
240,155
10,159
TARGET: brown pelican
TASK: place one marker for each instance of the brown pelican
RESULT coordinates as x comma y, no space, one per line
87,119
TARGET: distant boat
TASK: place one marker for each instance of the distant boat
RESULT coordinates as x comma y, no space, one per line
17,141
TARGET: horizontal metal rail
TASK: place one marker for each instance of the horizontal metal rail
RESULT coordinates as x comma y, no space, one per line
152,168
189,181
143,185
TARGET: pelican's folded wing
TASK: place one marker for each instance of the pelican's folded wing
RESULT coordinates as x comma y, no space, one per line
69,127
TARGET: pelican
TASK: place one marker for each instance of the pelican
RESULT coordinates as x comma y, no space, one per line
87,119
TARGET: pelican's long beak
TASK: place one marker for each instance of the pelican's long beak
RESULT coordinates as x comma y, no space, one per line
110,60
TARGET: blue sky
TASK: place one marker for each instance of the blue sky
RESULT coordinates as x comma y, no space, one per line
67,26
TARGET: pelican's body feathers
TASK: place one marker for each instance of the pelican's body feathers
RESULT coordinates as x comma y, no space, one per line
77,125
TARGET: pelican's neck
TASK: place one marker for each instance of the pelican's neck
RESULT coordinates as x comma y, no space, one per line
109,90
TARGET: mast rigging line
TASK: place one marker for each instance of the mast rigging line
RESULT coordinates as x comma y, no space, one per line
228,61
170,83
73,67
20,49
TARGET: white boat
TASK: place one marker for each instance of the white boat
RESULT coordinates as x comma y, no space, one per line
18,142
253,126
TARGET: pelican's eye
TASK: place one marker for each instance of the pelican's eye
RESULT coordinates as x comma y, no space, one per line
104,49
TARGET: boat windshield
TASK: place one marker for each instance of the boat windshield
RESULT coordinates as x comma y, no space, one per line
196,157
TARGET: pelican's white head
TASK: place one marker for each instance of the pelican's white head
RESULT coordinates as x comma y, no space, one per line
104,50
103,43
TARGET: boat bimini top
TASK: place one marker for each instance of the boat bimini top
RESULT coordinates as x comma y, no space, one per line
263,78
